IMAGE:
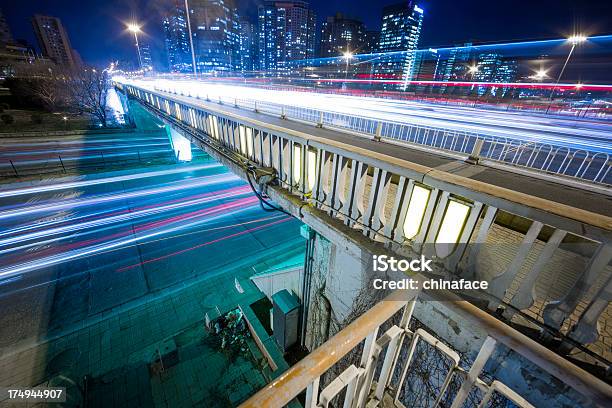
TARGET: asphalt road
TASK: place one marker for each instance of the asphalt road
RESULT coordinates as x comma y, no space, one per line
83,245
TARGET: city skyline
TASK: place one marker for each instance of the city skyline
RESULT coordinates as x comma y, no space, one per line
437,29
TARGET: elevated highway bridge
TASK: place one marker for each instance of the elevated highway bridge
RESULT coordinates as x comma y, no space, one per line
538,336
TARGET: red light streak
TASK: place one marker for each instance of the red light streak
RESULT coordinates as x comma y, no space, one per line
214,241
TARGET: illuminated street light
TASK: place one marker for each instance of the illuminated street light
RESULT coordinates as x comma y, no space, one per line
135,28
540,75
347,56
574,40
193,61
472,69
577,39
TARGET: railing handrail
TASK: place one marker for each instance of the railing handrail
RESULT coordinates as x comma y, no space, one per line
292,382
601,221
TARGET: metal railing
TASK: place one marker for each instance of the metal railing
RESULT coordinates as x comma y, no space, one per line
334,178
63,164
565,161
369,381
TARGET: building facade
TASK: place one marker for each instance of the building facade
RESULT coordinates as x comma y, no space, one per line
372,39
176,35
145,57
53,40
287,32
216,35
340,34
248,47
399,36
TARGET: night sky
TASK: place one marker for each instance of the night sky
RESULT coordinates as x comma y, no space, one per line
96,27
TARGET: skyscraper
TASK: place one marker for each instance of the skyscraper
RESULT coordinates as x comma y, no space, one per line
248,46
53,40
286,33
145,56
401,29
216,35
493,68
177,38
340,34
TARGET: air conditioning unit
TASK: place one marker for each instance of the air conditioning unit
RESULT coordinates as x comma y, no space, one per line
285,318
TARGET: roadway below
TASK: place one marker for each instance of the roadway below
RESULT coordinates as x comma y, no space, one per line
72,247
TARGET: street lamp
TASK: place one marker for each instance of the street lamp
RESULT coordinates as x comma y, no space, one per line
193,61
540,74
574,40
135,28
473,69
347,55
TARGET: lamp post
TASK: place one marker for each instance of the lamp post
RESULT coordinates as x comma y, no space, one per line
472,70
193,61
347,56
135,28
574,40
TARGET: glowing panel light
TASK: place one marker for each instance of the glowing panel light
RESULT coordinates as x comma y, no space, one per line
193,118
243,141
249,141
452,225
416,211
177,108
181,146
297,163
311,173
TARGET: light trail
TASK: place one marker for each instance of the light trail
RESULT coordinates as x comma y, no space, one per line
128,215
214,241
17,144
67,151
102,180
69,158
107,198
223,227
592,136
137,235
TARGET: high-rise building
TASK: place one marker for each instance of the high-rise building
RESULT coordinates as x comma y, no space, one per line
491,67
53,40
5,31
145,57
248,46
401,29
176,35
286,34
216,35
426,65
340,34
